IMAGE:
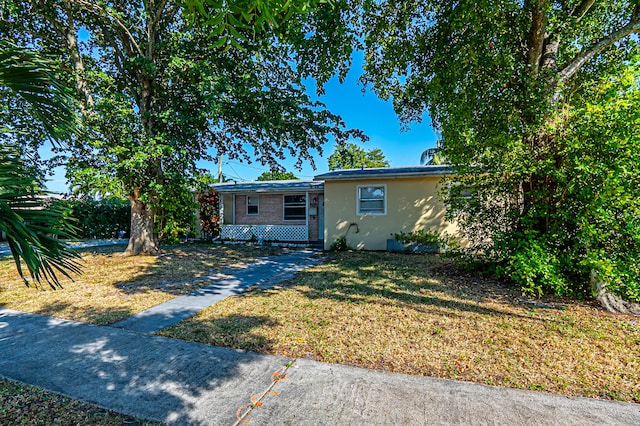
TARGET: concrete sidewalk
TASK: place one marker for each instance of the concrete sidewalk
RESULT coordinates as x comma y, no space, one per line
186,383
264,272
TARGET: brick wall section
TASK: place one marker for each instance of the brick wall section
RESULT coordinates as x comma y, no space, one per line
270,212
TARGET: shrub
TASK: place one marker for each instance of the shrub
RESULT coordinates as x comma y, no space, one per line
98,218
535,268
209,213
340,244
440,241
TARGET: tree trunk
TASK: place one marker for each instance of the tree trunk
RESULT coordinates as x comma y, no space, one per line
86,102
142,239
610,301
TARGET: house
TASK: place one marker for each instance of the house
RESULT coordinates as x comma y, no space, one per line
364,205
368,205
286,211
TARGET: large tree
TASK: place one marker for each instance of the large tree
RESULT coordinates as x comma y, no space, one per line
507,83
352,156
161,82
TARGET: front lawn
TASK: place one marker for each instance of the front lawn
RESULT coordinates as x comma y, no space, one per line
416,315
29,405
113,287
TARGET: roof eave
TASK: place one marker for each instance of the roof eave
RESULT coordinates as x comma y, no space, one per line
229,188
383,176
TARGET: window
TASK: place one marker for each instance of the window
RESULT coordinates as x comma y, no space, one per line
371,200
253,201
461,193
462,197
295,207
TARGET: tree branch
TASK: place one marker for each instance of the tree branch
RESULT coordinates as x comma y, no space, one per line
115,19
118,56
167,18
87,103
584,56
579,11
159,14
537,34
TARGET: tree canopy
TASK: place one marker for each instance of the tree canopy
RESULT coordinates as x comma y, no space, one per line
351,156
276,175
161,83
518,90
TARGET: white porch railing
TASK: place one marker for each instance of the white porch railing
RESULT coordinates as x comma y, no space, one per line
265,232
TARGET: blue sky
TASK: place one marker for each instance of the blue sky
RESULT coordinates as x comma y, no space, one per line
358,110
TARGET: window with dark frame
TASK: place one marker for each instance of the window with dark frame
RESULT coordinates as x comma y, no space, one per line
253,203
371,200
295,207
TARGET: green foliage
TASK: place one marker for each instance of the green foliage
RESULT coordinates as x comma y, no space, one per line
440,241
535,267
602,180
209,202
276,175
351,156
536,103
32,226
175,212
31,77
97,218
421,236
340,244
433,157
236,22
201,78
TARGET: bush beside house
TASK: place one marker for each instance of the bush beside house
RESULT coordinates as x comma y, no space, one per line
98,218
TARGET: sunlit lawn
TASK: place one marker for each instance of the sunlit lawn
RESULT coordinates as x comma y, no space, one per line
417,315
113,287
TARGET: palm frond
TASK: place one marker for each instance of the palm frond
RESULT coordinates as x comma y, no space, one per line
32,226
433,157
31,77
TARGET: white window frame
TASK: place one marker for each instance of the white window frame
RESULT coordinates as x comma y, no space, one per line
257,197
306,210
384,200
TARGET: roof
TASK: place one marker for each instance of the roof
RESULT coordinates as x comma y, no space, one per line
385,172
269,186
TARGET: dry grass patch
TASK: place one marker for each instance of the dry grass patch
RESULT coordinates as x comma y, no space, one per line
28,405
113,287
417,315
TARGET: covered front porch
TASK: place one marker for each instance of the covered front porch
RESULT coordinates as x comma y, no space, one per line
272,211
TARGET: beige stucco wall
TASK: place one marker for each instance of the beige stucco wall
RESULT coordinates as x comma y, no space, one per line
411,204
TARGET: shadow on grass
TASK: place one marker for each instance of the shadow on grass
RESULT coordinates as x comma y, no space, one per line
99,316
392,279
114,287
235,331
